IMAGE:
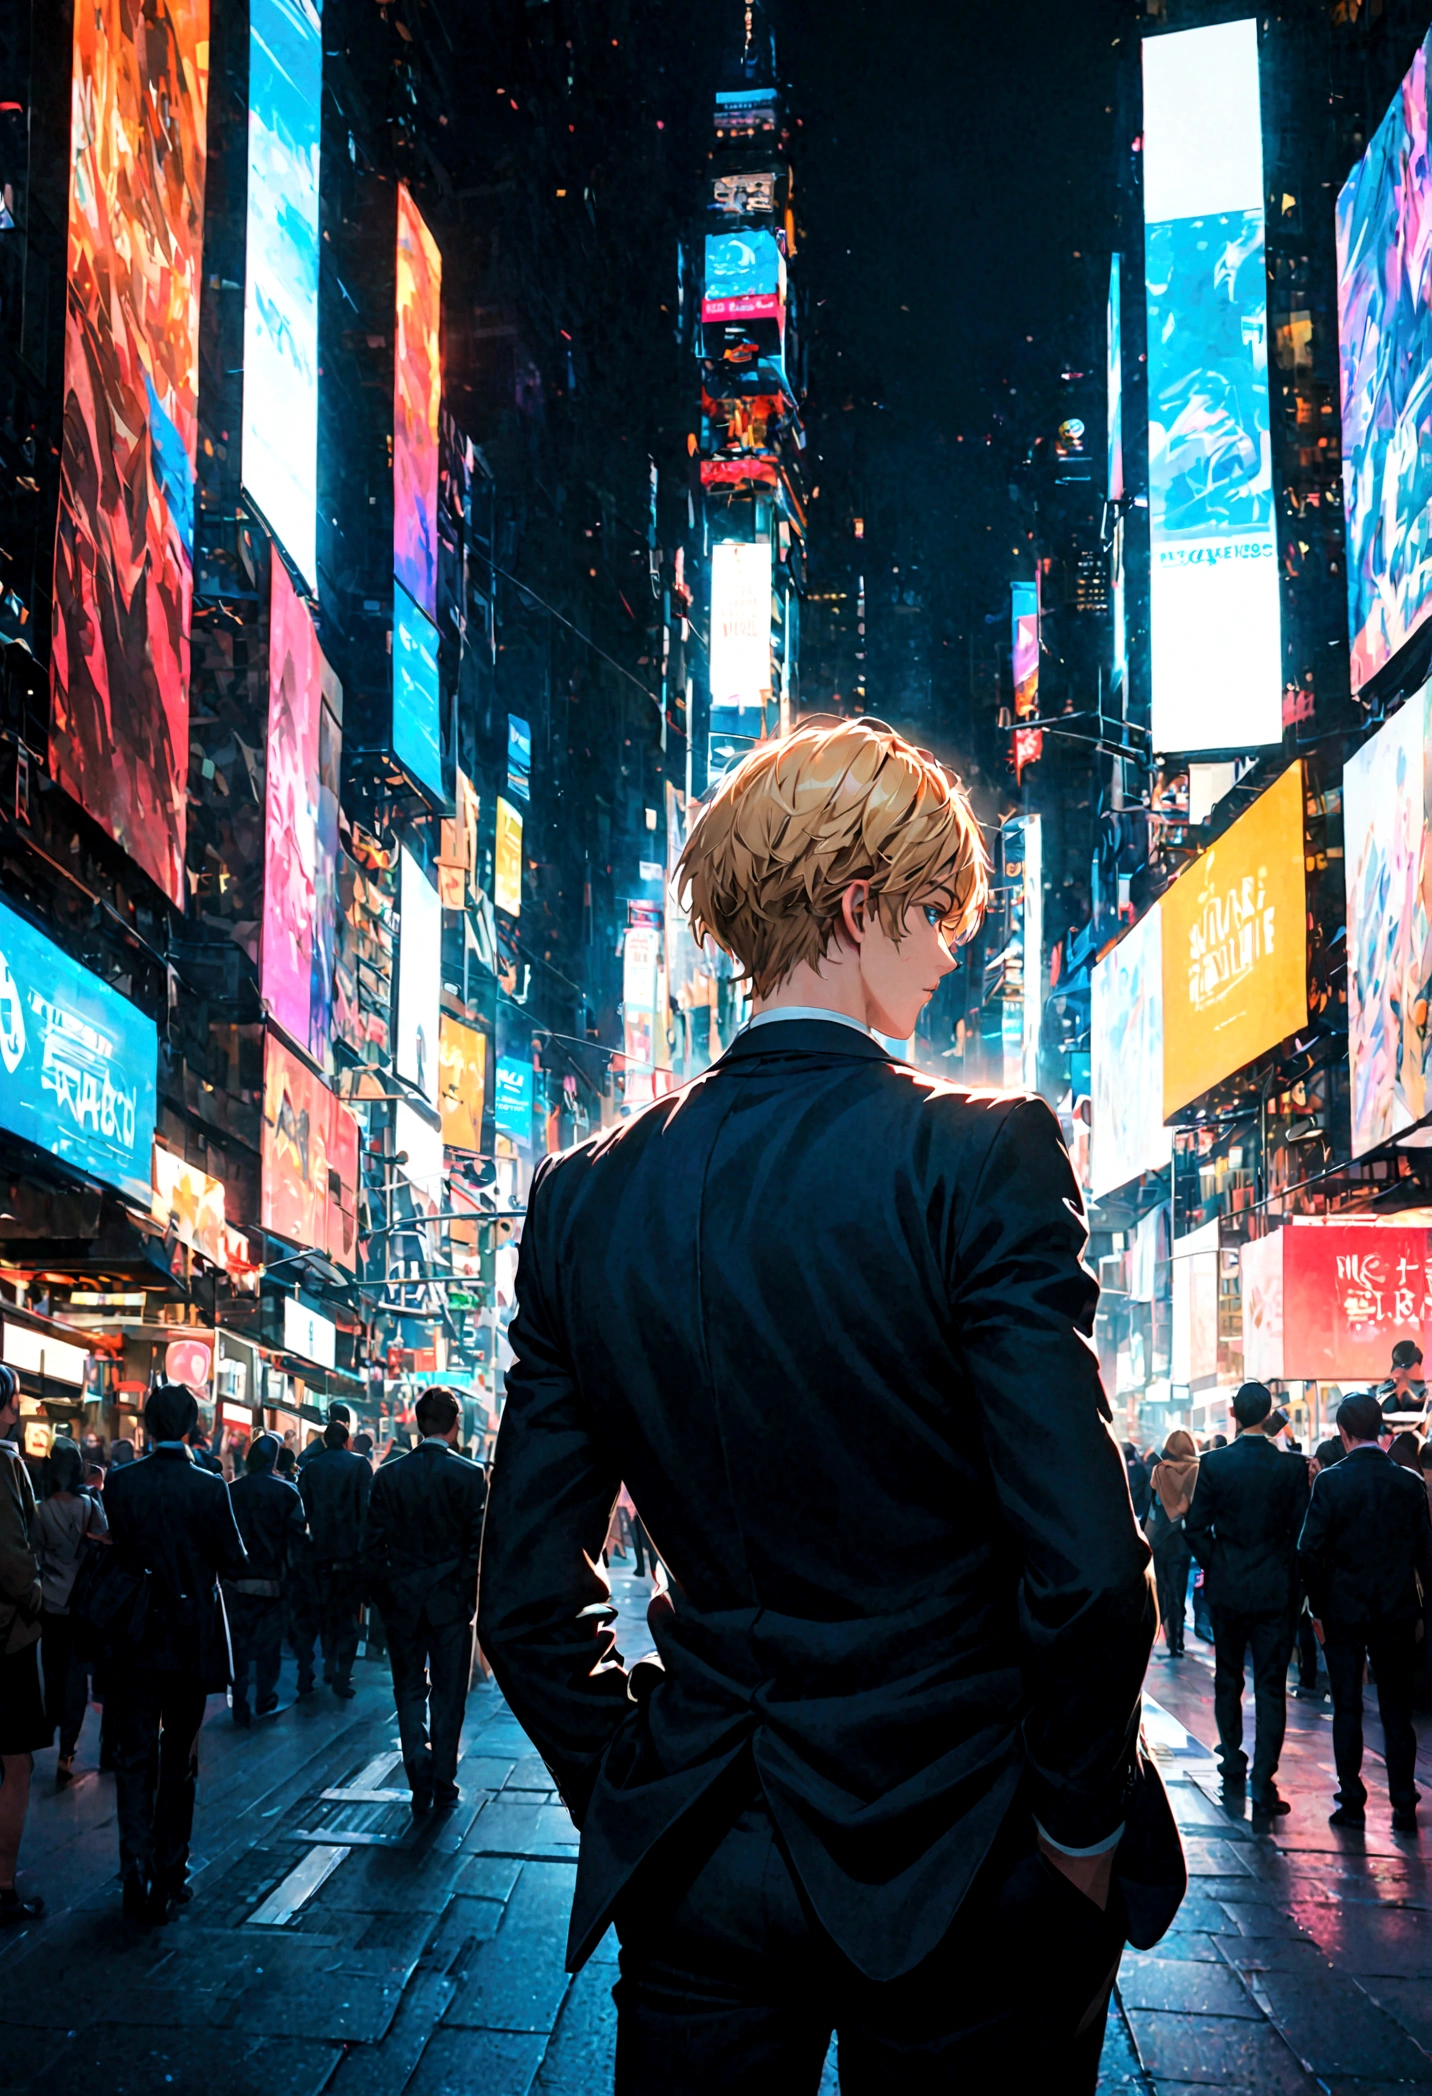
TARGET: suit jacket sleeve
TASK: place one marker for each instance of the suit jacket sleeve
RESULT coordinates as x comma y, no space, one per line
224,1546
1315,1546
1202,1513
1024,1308
544,1614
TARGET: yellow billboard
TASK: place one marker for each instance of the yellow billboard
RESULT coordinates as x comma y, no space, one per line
462,1071
1235,947
507,877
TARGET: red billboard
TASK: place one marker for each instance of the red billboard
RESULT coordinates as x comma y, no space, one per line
1349,1292
309,1158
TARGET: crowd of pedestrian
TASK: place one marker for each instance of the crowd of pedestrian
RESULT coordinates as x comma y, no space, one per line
148,1583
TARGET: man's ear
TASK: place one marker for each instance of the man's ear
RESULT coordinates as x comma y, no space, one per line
853,907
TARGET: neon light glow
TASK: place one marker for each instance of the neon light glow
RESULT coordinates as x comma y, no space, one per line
417,401
417,693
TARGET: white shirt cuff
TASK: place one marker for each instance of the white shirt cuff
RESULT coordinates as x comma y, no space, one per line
1100,1848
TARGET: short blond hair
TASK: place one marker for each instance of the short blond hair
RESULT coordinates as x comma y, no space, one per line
770,857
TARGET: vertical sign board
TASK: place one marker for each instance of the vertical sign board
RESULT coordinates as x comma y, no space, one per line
417,693
740,622
513,1102
1215,631
1024,624
1033,948
1114,425
1126,1043
640,969
462,1059
124,552
420,940
417,400
280,427
507,863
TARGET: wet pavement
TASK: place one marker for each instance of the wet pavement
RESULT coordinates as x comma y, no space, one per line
332,1946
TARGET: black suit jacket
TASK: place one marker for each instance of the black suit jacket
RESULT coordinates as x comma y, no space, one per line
170,1517
1248,1507
1366,1542
270,1518
334,1489
424,1535
813,1298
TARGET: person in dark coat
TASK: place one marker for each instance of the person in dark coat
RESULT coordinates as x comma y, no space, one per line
203,1455
817,1294
420,1555
270,1519
1366,1554
336,1412
173,1531
1243,1528
1174,1479
335,1488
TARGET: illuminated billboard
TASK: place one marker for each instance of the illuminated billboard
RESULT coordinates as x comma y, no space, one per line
187,1201
420,943
1387,793
1024,622
300,824
280,428
745,277
462,1063
307,1135
78,1062
1215,632
740,622
417,694
124,550
519,757
1114,427
417,401
1384,243
1235,946
1327,1302
507,864
512,1105
1126,1046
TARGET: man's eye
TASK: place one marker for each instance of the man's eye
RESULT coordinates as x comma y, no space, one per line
934,914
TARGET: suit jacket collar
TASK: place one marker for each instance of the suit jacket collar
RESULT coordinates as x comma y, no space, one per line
805,1037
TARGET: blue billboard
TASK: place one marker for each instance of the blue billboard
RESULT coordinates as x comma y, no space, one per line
280,430
519,757
78,1063
417,694
512,1107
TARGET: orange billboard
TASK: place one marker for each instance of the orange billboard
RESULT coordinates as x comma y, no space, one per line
1235,960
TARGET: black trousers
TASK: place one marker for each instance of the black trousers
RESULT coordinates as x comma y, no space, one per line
256,1634
1392,1648
729,1983
1270,1640
157,1716
66,1679
642,1552
1171,1563
432,1668
303,1620
340,1610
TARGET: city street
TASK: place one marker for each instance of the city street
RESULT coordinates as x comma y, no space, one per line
330,1947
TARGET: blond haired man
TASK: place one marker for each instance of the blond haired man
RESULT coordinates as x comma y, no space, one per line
816,1296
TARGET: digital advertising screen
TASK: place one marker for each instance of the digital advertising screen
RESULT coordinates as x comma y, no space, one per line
745,277
1114,427
124,549
303,762
1024,622
416,1140
1235,946
417,693
462,1061
740,659
1327,1302
190,1203
280,428
417,402
1126,1045
1387,793
519,757
78,1062
512,1102
1215,627
420,943
507,863
307,1134
1384,247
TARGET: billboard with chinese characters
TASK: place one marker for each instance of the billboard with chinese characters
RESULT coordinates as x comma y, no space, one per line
1329,1301
1235,946
1126,1046
420,942
462,1058
1387,796
1214,612
417,401
303,761
641,956
512,1104
417,693
280,430
124,551
307,1135
1384,245
507,864
78,1062
190,1203
740,659
1024,620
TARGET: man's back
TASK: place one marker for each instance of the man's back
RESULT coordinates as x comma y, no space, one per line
816,1296
424,1530
270,1519
1243,1524
334,1488
171,1517
1366,1542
